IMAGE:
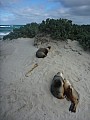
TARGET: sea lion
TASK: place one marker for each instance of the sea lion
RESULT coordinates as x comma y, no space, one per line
42,52
57,88
71,95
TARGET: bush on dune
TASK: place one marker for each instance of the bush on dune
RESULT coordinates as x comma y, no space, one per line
58,29
63,29
29,30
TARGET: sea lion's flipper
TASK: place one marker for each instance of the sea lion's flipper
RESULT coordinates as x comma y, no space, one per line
71,107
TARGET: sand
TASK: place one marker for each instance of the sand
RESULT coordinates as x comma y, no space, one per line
25,80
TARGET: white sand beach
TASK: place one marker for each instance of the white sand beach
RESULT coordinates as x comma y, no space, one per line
25,92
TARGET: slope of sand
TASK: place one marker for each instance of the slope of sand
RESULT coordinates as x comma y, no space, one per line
25,92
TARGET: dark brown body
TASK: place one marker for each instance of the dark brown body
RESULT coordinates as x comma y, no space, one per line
42,52
57,88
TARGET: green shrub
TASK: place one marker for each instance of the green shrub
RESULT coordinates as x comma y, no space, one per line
29,30
58,29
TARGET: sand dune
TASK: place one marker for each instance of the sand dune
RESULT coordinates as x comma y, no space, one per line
28,97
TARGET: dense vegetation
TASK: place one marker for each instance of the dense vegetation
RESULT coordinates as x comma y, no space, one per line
29,30
58,29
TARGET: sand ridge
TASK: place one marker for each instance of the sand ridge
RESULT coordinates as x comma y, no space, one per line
29,98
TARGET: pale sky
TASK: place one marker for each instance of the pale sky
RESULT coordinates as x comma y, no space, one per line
27,11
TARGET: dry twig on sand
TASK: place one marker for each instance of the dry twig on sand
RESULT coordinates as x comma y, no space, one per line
33,67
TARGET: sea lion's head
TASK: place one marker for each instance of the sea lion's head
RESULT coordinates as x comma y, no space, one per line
60,74
48,48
